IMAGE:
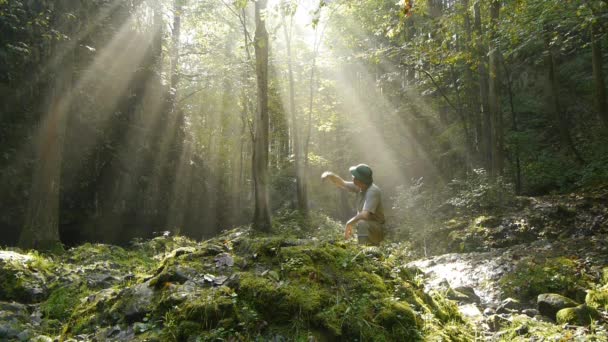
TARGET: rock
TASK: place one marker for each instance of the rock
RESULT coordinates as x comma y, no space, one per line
464,294
579,315
181,251
25,335
9,330
497,322
489,312
134,303
42,338
101,280
530,312
509,306
224,259
541,318
21,282
550,303
522,329
471,312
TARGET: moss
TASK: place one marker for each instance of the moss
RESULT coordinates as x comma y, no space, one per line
91,312
333,318
597,299
62,301
580,315
532,277
399,320
18,279
208,309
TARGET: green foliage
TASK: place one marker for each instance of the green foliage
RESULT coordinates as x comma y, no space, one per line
532,277
478,191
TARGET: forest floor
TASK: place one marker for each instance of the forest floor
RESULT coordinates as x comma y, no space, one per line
535,271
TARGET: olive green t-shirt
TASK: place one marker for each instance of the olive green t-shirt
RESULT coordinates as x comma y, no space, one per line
369,200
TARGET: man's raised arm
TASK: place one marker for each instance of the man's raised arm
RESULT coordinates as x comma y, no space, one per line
337,181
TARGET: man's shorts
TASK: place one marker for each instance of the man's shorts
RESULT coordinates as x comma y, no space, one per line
370,232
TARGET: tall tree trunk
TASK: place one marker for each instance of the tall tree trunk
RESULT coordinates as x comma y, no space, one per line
598,75
41,226
472,99
494,94
295,129
486,128
177,153
552,99
261,216
514,126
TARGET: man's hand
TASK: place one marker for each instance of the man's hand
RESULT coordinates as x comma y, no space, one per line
325,175
348,231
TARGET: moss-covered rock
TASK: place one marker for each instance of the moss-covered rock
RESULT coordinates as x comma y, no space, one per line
597,298
23,278
550,303
579,315
534,276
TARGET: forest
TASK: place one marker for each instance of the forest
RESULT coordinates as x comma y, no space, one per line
173,170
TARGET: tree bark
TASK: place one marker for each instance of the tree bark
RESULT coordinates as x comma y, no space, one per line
552,99
598,75
514,126
261,216
472,99
295,129
41,226
494,95
486,128
176,157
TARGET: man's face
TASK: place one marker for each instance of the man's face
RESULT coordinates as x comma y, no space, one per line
359,183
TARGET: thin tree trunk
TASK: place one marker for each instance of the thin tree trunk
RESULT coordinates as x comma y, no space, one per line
300,186
176,156
552,99
494,95
598,75
486,128
261,216
472,99
514,126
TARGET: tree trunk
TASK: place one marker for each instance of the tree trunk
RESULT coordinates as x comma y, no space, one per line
41,226
598,75
261,216
472,99
552,99
295,129
486,128
514,125
177,153
494,95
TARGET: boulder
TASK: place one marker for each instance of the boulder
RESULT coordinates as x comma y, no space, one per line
471,312
508,306
135,302
550,303
497,322
579,315
530,312
464,294
21,281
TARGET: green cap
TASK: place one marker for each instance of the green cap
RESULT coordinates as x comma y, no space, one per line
363,173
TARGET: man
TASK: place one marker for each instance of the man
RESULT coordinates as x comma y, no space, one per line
369,220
